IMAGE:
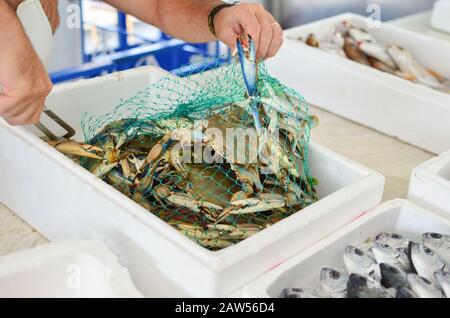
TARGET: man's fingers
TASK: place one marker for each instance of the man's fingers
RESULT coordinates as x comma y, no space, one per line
265,37
250,20
14,106
250,26
277,40
24,113
229,37
277,36
9,106
28,117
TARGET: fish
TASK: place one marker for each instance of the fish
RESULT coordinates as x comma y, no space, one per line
357,287
357,44
389,266
332,48
333,282
375,63
392,276
443,279
337,38
356,261
302,293
354,53
384,253
312,41
404,292
406,63
440,243
422,287
360,35
375,50
404,260
392,239
425,260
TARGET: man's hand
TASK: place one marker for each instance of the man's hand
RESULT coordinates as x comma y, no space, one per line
188,20
24,79
253,20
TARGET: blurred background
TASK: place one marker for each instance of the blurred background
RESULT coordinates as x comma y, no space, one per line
94,38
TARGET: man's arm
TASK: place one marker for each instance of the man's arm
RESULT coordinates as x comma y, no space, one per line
23,77
188,20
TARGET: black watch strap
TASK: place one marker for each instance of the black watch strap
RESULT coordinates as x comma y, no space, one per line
214,12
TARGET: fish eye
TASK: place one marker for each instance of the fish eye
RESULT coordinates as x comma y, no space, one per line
385,246
334,274
396,236
436,235
428,251
359,252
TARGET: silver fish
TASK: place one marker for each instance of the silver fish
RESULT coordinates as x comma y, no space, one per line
425,260
404,292
356,261
443,279
332,48
392,276
422,287
406,63
333,282
377,51
337,38
404,260
360,35
384,253
440,243
302,293
357,287
392,239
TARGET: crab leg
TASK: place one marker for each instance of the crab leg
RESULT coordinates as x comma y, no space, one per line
71,147
265,202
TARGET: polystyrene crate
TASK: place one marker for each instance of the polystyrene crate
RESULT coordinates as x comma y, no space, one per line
430,184
411,112
303,270
71,269
63,200
440,18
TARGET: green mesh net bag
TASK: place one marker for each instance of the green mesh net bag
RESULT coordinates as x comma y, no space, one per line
187,150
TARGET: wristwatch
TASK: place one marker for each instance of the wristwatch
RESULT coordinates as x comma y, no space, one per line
215,11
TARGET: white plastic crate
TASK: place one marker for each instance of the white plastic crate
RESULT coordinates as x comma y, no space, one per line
440,18
62,200
71,269
411,112
303,270
430,185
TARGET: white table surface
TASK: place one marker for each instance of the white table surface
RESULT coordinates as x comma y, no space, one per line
391,157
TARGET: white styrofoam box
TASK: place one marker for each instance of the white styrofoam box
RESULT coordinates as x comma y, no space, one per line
440,18
303,270
62,200
411,112
430,184
70,269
